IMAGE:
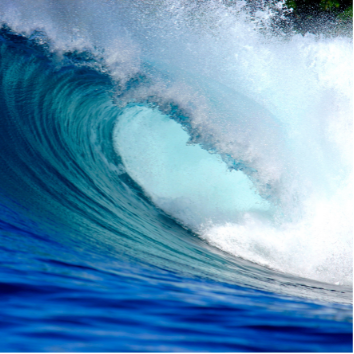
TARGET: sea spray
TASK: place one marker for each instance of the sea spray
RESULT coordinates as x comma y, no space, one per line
217,64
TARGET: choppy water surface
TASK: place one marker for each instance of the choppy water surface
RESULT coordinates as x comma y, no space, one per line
175,176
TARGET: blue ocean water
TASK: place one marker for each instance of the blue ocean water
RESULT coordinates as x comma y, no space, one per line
175,176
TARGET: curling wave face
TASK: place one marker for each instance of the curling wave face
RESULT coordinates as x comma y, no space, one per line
174,176
241,138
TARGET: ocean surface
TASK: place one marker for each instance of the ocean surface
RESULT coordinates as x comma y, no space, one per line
174,176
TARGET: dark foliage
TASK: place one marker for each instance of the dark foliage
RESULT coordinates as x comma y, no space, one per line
312,15
313,7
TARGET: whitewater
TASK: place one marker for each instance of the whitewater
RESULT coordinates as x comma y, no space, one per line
174,176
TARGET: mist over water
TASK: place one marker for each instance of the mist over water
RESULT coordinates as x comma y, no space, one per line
259,163
174,175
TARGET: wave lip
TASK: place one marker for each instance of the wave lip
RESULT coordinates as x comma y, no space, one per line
261,198
172,175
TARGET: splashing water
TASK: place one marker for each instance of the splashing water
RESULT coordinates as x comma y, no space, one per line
195,138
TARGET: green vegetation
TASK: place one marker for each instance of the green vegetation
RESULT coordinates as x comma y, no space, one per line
314,7
347,14
312,15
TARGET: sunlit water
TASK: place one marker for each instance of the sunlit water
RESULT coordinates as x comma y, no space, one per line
175,176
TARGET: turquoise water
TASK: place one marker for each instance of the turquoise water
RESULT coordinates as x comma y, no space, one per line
172,179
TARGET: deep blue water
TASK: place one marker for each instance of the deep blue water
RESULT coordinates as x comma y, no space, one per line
93,261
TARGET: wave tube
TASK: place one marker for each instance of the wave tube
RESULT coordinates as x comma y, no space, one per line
240,134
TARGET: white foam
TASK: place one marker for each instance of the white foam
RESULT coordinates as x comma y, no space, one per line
296,137
319,246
